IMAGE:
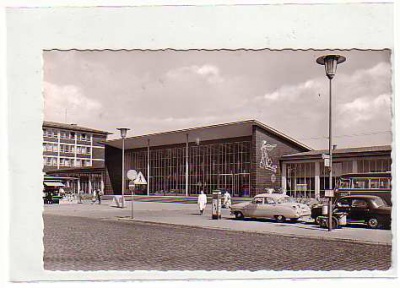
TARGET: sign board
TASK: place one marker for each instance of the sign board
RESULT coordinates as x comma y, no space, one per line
131,174
329,193
131,185
140,180
326,162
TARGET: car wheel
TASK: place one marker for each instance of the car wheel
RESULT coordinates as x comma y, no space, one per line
317,220
280,218
239,215
373,223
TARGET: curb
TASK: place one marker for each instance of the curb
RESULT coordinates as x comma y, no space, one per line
291,235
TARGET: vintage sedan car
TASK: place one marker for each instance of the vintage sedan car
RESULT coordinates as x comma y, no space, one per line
361,209
273,206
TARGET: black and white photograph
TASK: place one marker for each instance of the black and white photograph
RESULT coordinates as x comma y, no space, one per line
218,160
229,160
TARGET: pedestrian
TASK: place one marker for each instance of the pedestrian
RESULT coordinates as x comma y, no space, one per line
94,196
227,200
99,194
202,202
80,192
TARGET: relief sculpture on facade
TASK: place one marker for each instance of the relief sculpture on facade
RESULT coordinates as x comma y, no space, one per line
266,161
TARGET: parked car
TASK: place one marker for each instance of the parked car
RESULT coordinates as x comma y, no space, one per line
273,206
364,209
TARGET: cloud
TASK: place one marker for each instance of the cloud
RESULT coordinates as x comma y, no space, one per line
69,99
208,72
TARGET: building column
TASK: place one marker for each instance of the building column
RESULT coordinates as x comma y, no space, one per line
284,188
148,167
90,184
187,166
355,167
317,180
75,148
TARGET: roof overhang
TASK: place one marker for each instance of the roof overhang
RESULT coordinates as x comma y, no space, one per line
206,133
53,184
209,133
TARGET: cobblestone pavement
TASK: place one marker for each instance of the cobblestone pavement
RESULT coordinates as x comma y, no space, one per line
75,243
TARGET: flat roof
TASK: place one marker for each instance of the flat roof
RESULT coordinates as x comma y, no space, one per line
344,152
65,126
203,133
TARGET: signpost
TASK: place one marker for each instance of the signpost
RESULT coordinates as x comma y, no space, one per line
131,174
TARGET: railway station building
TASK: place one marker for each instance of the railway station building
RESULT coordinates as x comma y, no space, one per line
245,158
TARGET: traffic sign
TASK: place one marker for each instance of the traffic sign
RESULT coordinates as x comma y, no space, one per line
131,174
329,193
140,180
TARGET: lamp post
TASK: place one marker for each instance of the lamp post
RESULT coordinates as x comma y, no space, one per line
123,131
330,62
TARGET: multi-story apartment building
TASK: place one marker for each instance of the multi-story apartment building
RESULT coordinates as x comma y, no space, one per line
74,152
69,145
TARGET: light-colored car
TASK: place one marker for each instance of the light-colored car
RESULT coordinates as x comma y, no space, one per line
273,206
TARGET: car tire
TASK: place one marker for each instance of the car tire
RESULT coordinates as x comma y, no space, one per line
239,215
317,221
373,223
280,218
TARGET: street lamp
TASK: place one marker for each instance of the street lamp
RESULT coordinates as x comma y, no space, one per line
123,131
330,62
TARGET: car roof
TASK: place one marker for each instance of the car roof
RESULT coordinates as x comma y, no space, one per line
272,195
361,196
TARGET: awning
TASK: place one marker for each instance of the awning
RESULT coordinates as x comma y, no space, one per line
54,184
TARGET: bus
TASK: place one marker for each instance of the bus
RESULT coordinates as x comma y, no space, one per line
372,183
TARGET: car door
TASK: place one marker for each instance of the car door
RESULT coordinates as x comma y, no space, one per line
359,208
254,208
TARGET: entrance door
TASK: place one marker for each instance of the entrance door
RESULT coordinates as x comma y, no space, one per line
241,187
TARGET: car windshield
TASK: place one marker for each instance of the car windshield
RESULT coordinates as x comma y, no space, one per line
379,202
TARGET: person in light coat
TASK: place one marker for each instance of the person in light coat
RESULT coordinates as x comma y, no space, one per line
202,202
227,200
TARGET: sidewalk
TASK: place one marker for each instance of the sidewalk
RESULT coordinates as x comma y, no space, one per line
188,215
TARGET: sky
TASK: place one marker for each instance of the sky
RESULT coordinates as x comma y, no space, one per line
155,91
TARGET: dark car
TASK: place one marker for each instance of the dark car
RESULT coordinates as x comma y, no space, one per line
365,209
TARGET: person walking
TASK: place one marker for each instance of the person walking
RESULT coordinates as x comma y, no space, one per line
202,202
99,193
94,196
227,200
80,192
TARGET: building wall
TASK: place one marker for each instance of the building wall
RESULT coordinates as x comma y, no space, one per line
266,168
68,148
113,181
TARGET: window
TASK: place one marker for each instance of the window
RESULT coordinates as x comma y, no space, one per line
258,201
359,203
345,183
360,183
78,163
269,201
63,134
343,203
87,163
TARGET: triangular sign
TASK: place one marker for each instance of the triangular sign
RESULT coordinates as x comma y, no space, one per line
140,179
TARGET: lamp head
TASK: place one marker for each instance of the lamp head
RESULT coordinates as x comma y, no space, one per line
330,62
123,131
